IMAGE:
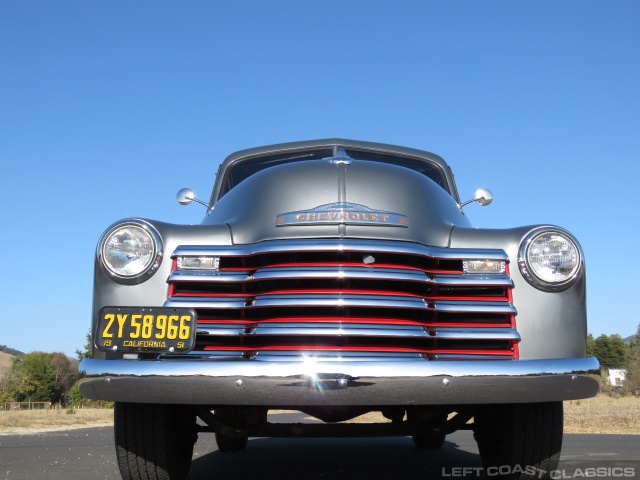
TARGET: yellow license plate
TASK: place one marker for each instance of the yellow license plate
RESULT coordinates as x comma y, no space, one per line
146,329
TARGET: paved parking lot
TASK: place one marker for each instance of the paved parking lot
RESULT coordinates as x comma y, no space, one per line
89,453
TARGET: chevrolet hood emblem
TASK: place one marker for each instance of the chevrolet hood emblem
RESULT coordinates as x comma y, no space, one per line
342,213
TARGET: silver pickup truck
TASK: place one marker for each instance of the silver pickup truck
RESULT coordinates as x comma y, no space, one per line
337,277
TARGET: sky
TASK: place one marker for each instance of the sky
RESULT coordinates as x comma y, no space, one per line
107,109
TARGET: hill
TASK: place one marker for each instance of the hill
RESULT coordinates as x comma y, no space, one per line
6,361
11,351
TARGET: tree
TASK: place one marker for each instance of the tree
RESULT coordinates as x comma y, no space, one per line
591,346
88,350
610,351
38,377
35,378
75,398
65,374
618,351
632,383
602,350
9,382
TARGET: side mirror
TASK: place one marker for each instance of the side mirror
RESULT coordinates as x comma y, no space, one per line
185,196
482,197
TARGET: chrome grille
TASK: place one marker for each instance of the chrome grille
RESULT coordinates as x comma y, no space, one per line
337,297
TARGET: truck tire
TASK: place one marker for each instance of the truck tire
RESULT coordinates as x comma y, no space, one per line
520,441
429,441
228,443
154,442
430,433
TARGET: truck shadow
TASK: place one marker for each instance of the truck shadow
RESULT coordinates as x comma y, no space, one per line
341,458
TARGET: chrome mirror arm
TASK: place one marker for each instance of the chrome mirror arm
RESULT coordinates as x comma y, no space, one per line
201,202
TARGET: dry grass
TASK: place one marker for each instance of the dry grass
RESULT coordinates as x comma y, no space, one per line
6,361
34,421
601,414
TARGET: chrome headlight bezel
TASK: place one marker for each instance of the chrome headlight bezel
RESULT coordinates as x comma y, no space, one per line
150,267
524,262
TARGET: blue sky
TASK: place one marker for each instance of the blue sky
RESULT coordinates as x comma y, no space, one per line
107,109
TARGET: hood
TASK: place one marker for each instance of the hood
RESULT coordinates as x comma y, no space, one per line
320,199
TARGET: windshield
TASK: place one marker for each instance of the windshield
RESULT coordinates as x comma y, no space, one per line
242,170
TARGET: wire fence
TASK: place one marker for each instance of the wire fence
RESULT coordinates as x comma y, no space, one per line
13,406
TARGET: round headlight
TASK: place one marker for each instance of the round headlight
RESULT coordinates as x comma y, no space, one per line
130,252
550,259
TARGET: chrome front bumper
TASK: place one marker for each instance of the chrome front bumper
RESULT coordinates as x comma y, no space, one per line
228,381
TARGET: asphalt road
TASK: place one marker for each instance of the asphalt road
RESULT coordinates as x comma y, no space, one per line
89,453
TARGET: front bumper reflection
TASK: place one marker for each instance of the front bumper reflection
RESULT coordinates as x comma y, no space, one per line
280,384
